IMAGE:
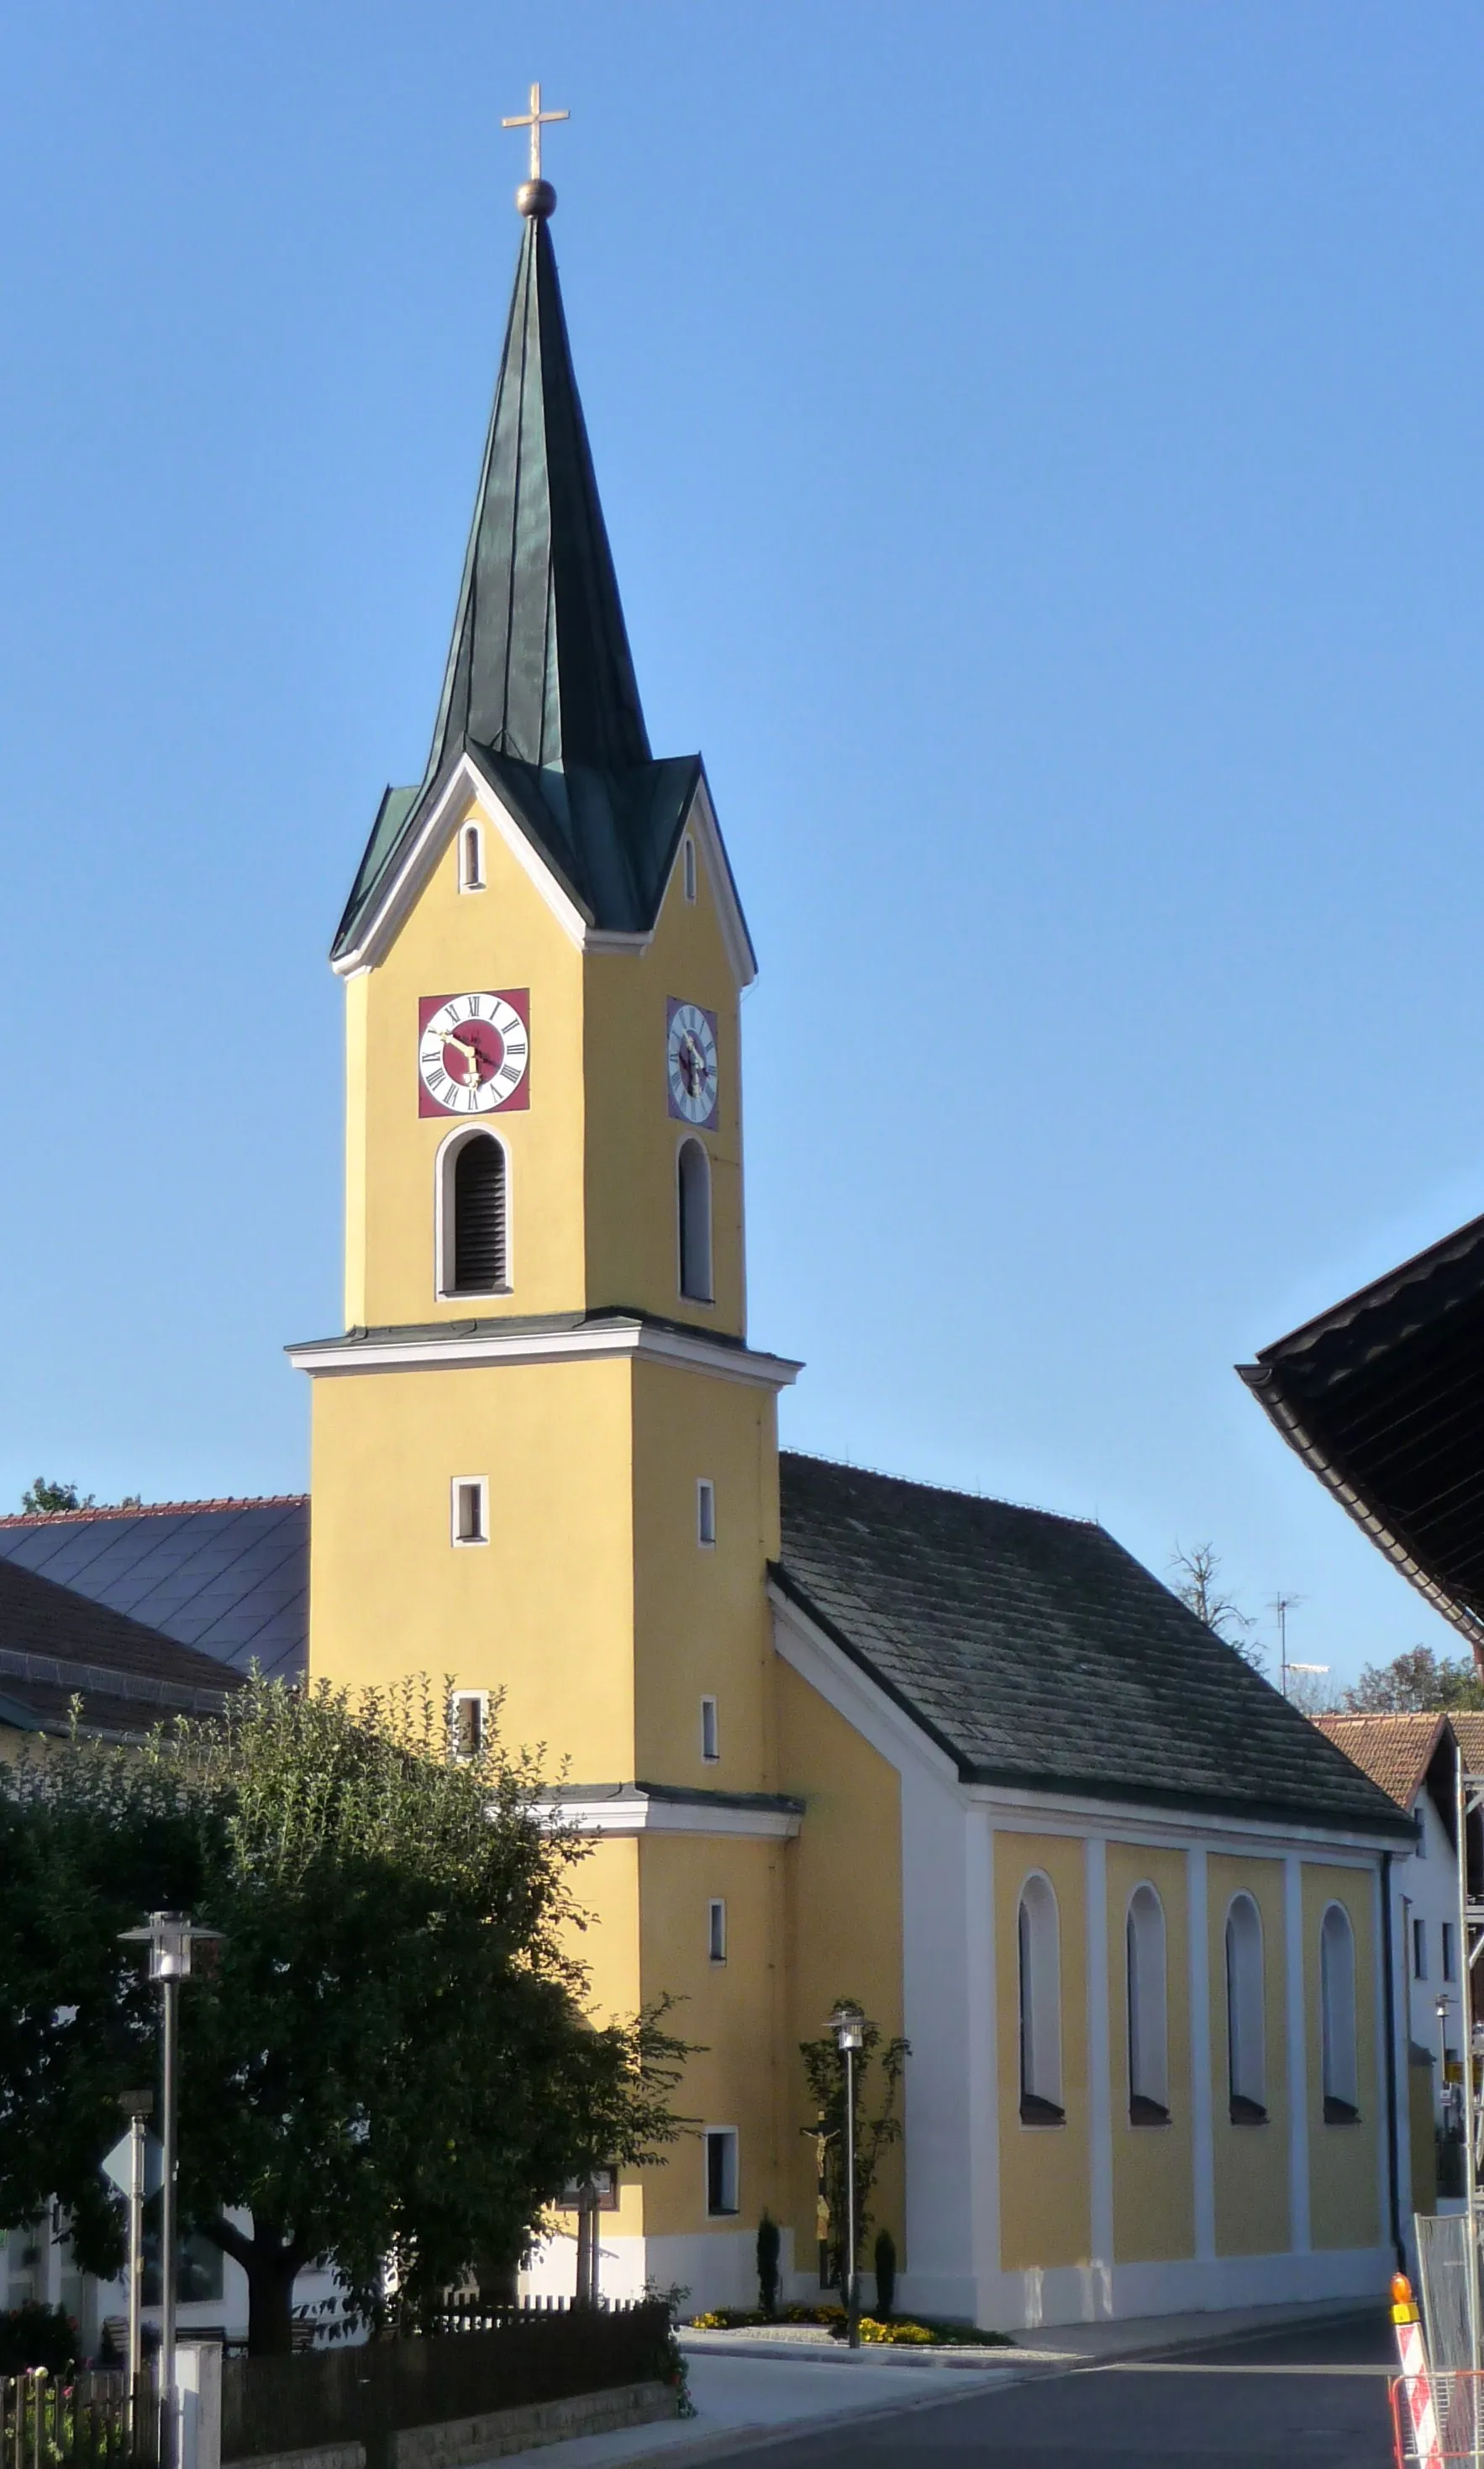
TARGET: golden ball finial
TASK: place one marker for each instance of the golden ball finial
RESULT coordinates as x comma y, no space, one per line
536,200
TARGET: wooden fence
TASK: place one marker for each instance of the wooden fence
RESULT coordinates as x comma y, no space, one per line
510,2357
49,2422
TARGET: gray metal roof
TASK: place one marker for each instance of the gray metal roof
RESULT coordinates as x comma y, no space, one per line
228,1577
56,1646
1036,1651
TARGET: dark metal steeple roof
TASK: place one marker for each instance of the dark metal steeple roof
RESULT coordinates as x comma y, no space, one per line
540,692
540,666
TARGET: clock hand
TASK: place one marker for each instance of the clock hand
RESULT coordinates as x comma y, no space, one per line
467,1047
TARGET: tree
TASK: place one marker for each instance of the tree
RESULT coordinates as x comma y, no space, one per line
1418,1682
44,1498
824,2074
389,2062
1197,1581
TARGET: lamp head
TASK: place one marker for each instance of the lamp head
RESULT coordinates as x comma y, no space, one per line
849,2025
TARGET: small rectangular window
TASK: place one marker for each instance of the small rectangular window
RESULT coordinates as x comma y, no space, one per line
1422,1840
710,1735
689,864
721,2171
470,1509
469,1714
716,1930
1418,1949
1447,1950
706,1511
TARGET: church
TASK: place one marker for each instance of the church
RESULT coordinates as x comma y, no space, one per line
830,1733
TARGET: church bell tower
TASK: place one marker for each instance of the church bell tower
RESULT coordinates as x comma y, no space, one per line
544,1455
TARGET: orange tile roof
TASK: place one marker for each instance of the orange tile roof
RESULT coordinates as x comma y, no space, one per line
1395,1750
1469,1732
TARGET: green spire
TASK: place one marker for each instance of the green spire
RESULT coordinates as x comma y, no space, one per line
539,667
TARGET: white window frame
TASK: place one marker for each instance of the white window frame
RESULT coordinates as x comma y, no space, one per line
445,1167
1146,1978
1247,2005
710,1733
706,1513
692,1141
479,1698
688,867
468,881
459,1485
731,2172
716,1930
1038,1956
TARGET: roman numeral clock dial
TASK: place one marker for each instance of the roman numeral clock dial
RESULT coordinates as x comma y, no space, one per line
474,1052
690,1063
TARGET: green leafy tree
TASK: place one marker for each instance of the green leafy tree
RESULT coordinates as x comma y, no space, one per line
46,1499
1418,1682
879,2069
388,2063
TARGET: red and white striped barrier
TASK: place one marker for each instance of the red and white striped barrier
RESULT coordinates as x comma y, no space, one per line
1416,2384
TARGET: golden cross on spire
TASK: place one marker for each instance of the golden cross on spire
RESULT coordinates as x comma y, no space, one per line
535,120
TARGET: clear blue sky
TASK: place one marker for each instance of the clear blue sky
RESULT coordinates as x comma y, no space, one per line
1042,449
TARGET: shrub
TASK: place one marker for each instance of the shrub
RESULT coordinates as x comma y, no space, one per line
769,2245
35,2335
885,2275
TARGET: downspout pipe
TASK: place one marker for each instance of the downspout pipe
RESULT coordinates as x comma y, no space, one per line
1393,2162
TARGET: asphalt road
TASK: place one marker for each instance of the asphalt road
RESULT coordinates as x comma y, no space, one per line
1313,2399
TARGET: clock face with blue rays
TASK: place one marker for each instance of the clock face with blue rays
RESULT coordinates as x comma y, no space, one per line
690,1063
473,1052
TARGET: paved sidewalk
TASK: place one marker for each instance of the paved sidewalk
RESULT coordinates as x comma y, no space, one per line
750,2393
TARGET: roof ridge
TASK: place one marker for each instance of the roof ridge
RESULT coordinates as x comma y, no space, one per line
155,1509
950,1490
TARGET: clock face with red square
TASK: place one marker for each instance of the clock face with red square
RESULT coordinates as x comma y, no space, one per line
474,1052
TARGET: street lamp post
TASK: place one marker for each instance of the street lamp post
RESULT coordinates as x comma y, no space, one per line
849,2025
169,1937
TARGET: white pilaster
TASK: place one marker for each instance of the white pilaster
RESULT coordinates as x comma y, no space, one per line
1100,2117
1202,2085
1298,2053
984,2103
1395,2147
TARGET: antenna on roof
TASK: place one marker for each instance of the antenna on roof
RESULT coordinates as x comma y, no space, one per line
1283,1604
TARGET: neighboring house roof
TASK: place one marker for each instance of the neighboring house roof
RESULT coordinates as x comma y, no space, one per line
1037,1652
1469,1732
55,1645
540,692
1382,1397
228,1577
1395,1750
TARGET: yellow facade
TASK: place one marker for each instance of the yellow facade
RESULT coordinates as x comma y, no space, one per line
595,1611
1045,2179
1154,2189
1251,2161
1344,2208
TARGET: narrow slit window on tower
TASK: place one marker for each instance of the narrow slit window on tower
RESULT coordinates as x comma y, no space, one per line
688,863
471,858
710,1735
471,1523
721,2170
476,1216
716,1930
469,1712
706,1511
693,1201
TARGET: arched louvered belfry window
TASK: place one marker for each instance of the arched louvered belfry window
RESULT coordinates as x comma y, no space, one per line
475,1229
693,1202
1149,2038
1246,2026
1337,2017
1039,1951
